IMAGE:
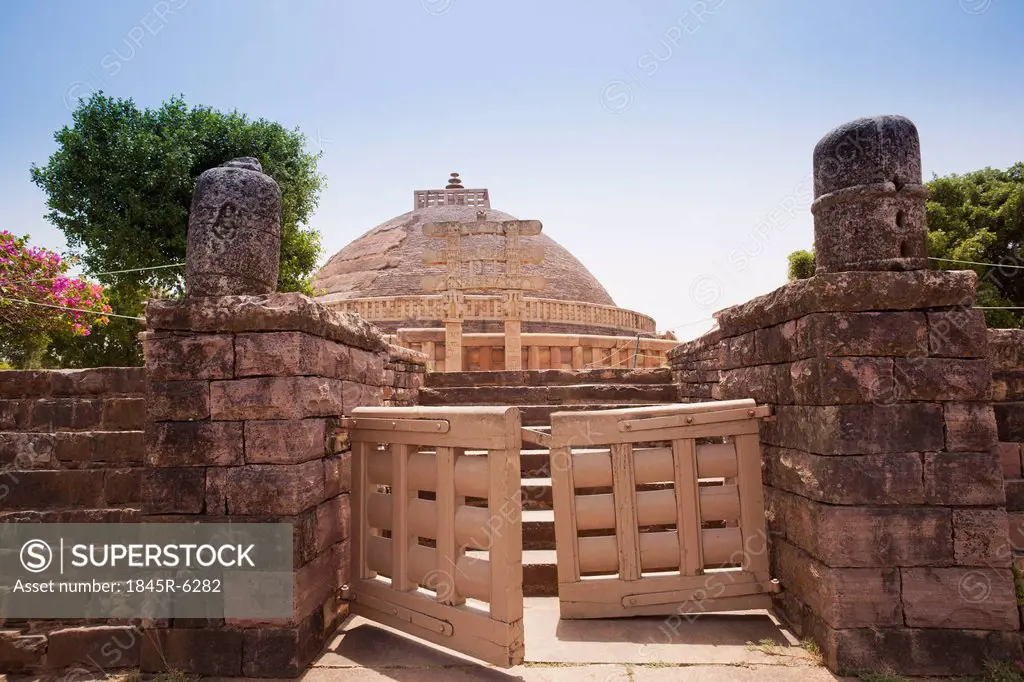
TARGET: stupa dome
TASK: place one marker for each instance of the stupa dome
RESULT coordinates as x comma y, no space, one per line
388,261
381,275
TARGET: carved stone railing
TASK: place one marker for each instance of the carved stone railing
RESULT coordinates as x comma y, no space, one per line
490,307
483,351
427,198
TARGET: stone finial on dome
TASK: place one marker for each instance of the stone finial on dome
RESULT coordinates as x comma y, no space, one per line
453,194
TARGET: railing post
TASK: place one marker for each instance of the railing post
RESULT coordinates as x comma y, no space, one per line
453,345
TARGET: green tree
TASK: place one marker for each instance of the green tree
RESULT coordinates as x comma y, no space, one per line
801,265
977,217
120,184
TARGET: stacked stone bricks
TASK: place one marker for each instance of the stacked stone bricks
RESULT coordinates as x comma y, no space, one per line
1007,356
695,368
244,404
403,376
246,390
71,451
885,495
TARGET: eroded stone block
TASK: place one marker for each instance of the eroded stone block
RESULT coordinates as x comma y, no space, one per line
188,357
178,444
960,598
284,441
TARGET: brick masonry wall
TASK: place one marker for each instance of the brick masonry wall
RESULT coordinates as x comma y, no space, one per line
71,451
885,499
1007,358
245,398
404,373
696,367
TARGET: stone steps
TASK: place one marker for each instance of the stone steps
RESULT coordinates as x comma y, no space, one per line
539,529
538,394
540,571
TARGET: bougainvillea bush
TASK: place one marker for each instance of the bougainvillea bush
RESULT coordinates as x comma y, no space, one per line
38,300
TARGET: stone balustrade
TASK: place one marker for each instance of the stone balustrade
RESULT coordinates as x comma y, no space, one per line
485,351
428,308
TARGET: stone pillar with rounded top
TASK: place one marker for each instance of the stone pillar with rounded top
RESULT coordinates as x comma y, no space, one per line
869,201
887,515
245,392
234,231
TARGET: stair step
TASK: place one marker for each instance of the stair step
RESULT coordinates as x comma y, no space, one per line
576,394
540,571
539,529
549,377
536,493
534,463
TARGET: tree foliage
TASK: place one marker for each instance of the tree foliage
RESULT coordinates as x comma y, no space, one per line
801,265
39,300
977,217
120,185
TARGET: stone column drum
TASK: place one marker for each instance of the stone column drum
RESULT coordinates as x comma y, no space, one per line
234,231
869,201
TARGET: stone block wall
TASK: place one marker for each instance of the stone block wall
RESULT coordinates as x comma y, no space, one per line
71,451
404,374
887,516
696,366
1007,356
245,397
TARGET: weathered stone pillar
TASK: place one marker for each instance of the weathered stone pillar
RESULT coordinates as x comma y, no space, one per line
885,496
234,231
453,345
245,391
513,331
869,201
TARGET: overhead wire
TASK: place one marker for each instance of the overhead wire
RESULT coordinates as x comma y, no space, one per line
77,310
97,274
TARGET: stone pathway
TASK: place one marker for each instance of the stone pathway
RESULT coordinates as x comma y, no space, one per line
631,650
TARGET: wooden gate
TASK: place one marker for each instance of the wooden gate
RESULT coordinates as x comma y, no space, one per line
660,510
430,483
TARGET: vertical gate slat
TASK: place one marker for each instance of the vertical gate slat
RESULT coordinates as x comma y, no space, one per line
684,461
627,533
504,508
752,521
400,539
360,492
563,495
447,506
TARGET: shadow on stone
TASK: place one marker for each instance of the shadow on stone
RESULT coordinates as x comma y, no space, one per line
383,651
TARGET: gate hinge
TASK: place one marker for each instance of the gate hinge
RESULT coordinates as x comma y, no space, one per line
435,625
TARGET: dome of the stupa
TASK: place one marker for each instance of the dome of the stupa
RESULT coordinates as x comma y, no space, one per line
388,261
391,274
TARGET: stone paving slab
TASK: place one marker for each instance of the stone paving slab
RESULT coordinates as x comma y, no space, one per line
711,647
706,639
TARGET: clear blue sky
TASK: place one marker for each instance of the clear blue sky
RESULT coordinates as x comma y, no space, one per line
664,143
